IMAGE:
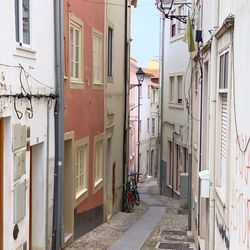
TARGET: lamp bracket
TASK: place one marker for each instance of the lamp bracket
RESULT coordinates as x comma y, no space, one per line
181,18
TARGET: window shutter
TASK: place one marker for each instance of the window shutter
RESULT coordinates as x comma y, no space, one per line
224,142
224,125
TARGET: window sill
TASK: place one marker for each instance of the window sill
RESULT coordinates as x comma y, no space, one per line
76,84
176,105
25,52
81,196
98,85
98,185
110,79
176,37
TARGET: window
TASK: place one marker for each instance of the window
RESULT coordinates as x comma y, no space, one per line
153,93
22,22
148,124
110,51
98,164
176,91
180,90
173,25
223,78
153,126
149,91
75,37
196,81
223,110
181,25
81,167
171,89
97,58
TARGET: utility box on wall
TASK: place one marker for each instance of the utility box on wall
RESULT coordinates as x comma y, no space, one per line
204,183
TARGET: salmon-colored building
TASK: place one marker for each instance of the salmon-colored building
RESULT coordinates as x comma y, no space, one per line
84,116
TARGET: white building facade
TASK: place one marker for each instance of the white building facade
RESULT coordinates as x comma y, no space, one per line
144,107
220,218
27,90
175,70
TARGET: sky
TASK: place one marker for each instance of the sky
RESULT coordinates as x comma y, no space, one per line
145,32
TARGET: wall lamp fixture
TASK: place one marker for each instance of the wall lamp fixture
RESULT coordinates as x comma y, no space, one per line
165,6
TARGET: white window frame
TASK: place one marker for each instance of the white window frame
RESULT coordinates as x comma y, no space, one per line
98,162
77,25
82,144
97,62
19,37
223,149
110,52
153,126
172,89
176,93
179,89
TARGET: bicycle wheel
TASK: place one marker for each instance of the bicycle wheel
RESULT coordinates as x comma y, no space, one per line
136,197
128,204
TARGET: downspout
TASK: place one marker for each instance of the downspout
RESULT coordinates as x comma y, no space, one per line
126,96
47,178
201,117
173,165
58,232
161,101
212,125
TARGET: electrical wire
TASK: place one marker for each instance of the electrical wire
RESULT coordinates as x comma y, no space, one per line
243,149
18,113
27,73
20,80
26,78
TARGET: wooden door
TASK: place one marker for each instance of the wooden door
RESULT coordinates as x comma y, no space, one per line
1,183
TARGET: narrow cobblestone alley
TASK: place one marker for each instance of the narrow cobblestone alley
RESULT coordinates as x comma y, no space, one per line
158,223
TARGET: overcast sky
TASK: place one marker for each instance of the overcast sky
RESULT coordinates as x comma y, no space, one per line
145,32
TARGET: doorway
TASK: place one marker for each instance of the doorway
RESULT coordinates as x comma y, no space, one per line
1,182
37,197
69,194
109,176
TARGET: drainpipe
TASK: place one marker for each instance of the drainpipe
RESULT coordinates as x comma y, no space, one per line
126,96
58,232
212,124
161,100
47,178
173,165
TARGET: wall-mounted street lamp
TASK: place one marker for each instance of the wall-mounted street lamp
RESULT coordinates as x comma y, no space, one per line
140,74
165,6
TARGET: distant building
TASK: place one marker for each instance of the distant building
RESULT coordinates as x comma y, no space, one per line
174,120
148,107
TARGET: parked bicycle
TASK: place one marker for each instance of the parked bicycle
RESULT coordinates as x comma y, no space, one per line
131,194
129,197
134,177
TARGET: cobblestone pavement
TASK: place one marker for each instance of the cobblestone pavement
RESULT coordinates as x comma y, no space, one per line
170,232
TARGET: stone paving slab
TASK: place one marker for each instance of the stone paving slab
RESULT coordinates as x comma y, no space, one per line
171,227
135,236
106,234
